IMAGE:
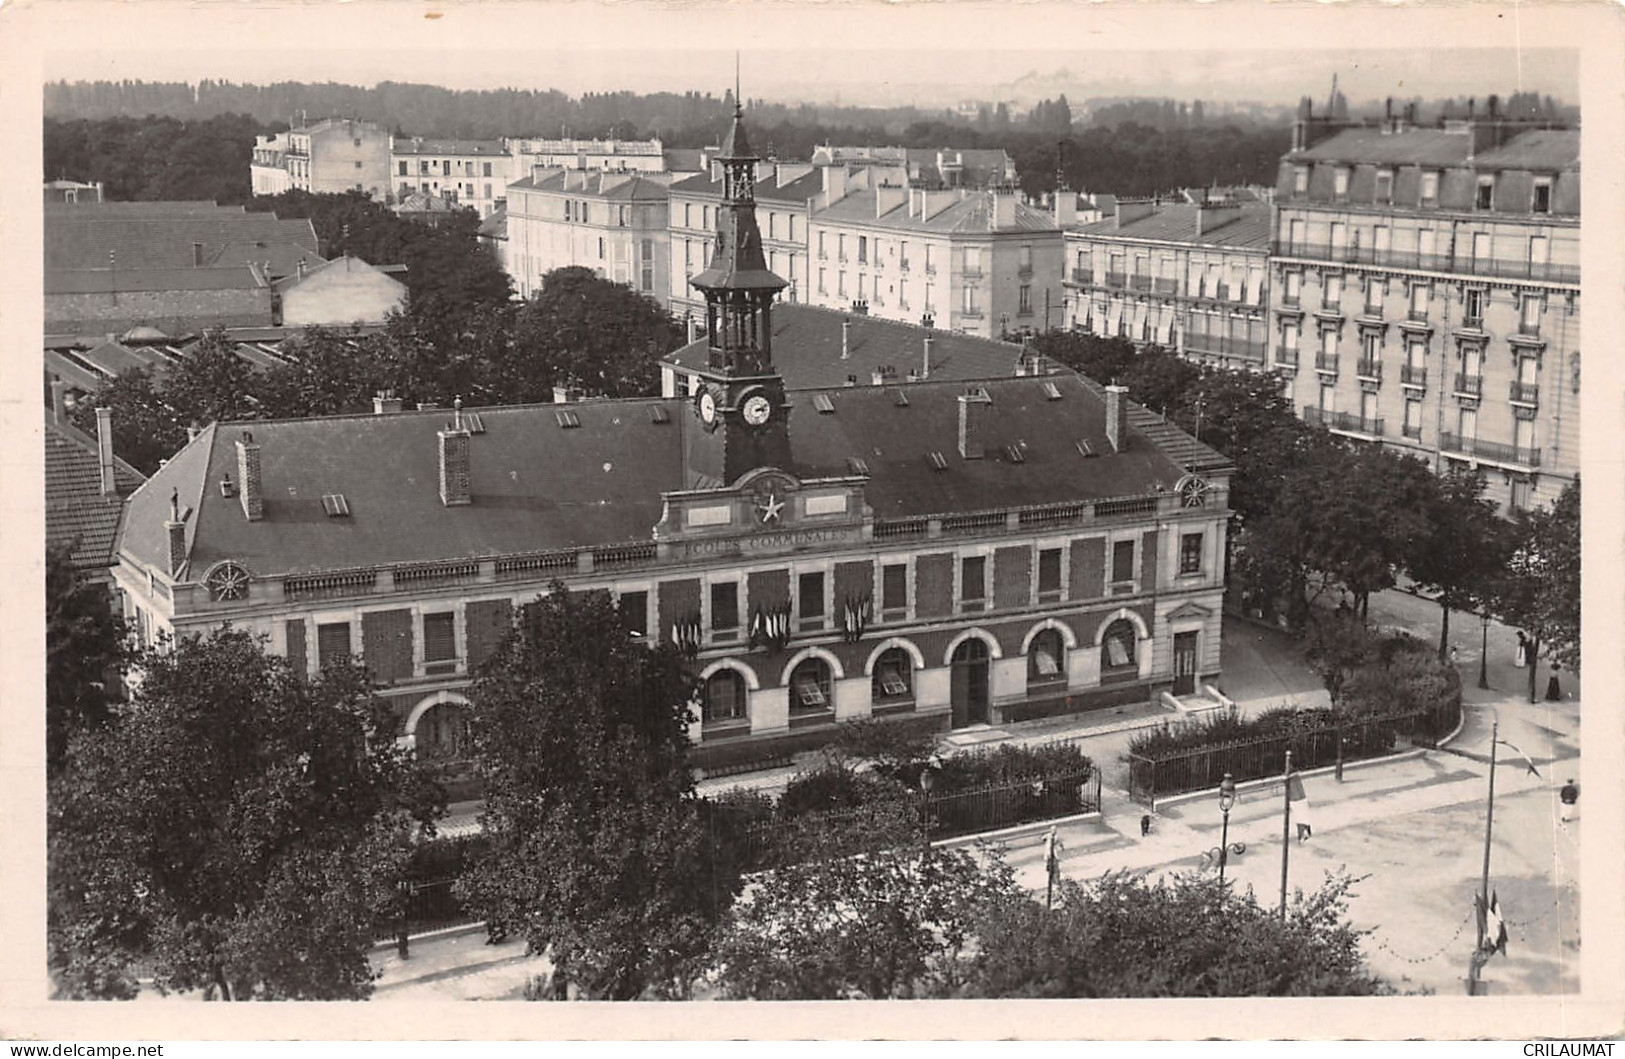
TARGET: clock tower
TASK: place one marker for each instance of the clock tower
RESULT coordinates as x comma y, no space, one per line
740,403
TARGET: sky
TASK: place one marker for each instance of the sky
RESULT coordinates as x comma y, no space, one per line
931,54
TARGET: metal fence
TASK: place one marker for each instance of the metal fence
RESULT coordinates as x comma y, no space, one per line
1348,739
422,907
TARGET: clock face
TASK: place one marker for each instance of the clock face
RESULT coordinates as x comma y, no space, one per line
757,410
708,407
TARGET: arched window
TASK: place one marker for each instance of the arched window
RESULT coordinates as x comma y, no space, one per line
1117,651
810,688
442,732
1046,658
724,697
893,680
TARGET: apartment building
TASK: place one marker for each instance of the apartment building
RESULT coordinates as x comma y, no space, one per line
1426,293
975,262
1188,276
607,156
927,167
613,223
471,173
330,157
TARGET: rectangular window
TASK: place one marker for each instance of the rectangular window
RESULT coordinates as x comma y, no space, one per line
1328,398
894,591
1385,186
821,286
725,609
1430,189
332,643
1025,305
1190,553
1333,293
402,169
1368,412
1543,197
705,216
1375,291
445,167
1468,419
863,249
1486,192
358,165
635,612
1289,341
1294,287
1300,179
1522,488
1340,182
1529,314
973,582
810,600
439,637
1425,246
790,227
1523,439
487,170
1419,301
1413,419
1473,312
1049,575
840,284
1122,562
840,245
1026,257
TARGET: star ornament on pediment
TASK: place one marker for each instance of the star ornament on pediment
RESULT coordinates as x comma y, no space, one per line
768,507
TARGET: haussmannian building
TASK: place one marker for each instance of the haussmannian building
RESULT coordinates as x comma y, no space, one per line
1425,290
613,223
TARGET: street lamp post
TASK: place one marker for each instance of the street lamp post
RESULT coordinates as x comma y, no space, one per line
1227,800
1484,651
1475,966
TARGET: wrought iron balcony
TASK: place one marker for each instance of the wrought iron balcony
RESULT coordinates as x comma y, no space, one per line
1083,275
1471,385
1369,368
1525,393
1490,450
1326,362
1116,279
1413,376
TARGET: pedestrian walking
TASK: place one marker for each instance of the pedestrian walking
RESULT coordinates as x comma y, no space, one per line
1554,688
1567,797
1052,864
1523,651
1303,817
1455,654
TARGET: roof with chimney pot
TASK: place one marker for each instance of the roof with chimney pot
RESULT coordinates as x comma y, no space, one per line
338,264
106,281
767,190
807,350
495,226
1248,229
90,239
973,214
77,512
538,485
1539,149
484,148
622,187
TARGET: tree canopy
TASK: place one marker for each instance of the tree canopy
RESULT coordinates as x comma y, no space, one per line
84,653
1538,589
597,854
235,827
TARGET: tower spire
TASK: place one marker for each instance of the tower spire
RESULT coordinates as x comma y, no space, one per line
739,101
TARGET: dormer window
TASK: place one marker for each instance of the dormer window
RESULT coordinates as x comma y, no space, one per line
1430,189
1486,193
1300,180
1385,185
1340,182
1543,195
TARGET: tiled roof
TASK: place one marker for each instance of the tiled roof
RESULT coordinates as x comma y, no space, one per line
102,280
75,506
496,225
424,202
338,264
973,213
540,486
169,208
83,239
807,350
623,187
485,148
1409,147
1176,222
795,193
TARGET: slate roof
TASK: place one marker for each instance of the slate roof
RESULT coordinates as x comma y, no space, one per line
82,238
794,193
973,213
1434,147
632,188
495,226
979,165
103,280
1537,149
484,148
75,506
539,486
807,350
338,264
424,202
1176,222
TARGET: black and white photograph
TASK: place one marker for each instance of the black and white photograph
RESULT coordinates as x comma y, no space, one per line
956,504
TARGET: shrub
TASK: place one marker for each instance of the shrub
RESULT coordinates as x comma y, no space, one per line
834,787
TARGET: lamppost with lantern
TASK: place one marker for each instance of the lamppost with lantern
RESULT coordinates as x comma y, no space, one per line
1227,801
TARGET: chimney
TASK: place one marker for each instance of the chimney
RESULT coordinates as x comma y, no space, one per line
1133,209
385,402
197,255
925,367
175,530
973,406
59,402
888,198
1114,416
1211,215
454,485
846,339
299,269
834,184
1004,208
248,477
1472,106
878,377
1066,208
104,450
693,327
192,431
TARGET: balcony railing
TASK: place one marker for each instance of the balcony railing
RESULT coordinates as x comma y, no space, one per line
1350,422
1525,393
903,264
1391,258
971,271
1471,385
1416,316
1368,368
1413,376
1083,275
1224,346
1116,279
1529,329
1412,431
1326,362
1490,450
1166,286
1286,356
1140,282
1289,299
1024,270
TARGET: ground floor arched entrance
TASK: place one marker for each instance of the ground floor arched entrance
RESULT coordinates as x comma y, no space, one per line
968,685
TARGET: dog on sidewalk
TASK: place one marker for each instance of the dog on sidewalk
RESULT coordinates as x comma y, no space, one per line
1145,825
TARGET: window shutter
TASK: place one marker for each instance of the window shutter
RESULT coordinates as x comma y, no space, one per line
439,637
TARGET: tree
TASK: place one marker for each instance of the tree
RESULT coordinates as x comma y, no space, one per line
146,430
329,376
1366,514
1460,549
236,826
1539,589
212,384
593,333
1182,936
597,853
84,651
861,908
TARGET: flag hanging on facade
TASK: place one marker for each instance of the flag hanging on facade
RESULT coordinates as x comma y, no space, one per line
1532,769
1490,924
